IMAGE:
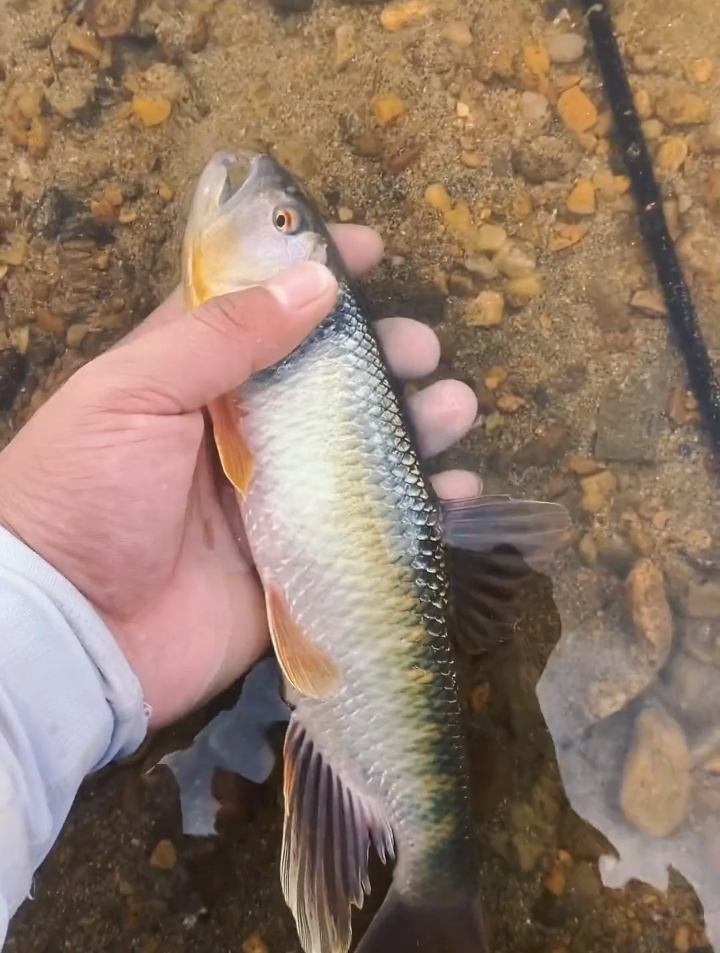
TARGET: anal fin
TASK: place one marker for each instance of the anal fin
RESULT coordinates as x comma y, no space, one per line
493,544
326,839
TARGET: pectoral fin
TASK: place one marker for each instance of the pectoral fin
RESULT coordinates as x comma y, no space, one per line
309,669
235,456
493,544
328,830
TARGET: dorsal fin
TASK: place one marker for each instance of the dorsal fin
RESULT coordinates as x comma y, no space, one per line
328,830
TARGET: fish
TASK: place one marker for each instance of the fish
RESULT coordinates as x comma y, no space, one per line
364,572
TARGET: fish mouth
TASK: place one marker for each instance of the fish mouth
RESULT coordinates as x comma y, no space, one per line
252,173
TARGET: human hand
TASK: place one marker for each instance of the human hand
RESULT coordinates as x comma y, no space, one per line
115,482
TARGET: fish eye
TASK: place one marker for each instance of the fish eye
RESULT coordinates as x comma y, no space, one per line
286,220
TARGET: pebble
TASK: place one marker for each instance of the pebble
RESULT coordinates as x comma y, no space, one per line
491,238
643,103
367,144
70,93
583,888
482,266
671,156
76,334
555,883
471,160
699,250
649,301
701,70
604,124
38,138
656,785
644,62
519,291
576,110
702,600
486,311
12,374
683,109
701,639
86,43
651,612
485,399
20,339
690,687
542,159
583,466
642,541
509,403
110,18
457,33
345,46
544,449
15,251
677,409
565,236
683,938
652,129
533,106
437,197
164,855
565,47
522,206
587,549
516,259
461,284
479,697
397,16
48,322
254,944
151,110
597,491
462,110
536,59
628,425
615,553
581,200
494,422
387,108
495,377
345,214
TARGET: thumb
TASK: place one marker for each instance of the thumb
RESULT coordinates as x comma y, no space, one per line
182,366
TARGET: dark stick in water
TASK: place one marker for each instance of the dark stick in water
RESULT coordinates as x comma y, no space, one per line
653,226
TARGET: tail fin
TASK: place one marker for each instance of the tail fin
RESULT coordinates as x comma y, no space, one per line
402,926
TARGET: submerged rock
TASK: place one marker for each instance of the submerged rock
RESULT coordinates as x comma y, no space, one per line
655,795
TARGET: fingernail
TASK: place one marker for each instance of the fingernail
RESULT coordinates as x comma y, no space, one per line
300,285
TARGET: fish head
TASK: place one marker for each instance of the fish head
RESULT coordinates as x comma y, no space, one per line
241,236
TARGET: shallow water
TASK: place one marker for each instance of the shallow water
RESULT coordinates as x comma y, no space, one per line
595,733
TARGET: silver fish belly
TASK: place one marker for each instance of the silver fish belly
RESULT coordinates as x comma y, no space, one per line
340,518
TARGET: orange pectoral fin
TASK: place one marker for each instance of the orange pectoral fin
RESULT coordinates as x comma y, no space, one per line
235,456
308,669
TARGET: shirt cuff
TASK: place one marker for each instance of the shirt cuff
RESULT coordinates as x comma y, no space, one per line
69,704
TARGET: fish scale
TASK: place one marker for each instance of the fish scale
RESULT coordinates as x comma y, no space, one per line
417,725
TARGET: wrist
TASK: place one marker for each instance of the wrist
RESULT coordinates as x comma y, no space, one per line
51,636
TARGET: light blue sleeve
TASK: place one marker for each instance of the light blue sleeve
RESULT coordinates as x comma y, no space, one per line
69,704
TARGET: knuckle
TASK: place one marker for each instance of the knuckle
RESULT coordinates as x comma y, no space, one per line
235,314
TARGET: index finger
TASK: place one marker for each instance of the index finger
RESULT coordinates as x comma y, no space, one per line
360,247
